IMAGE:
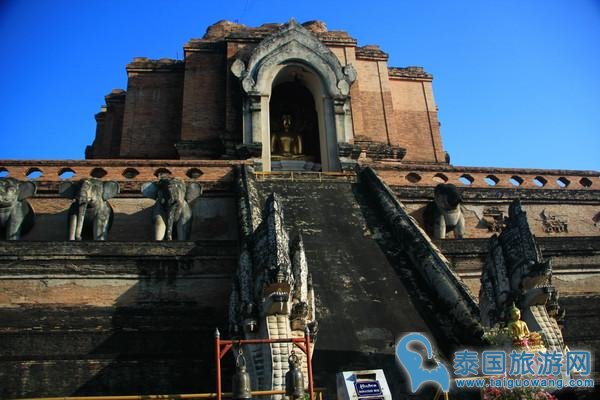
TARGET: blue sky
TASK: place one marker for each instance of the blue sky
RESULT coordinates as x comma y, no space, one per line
517,83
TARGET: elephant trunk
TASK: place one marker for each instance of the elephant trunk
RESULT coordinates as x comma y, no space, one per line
80,217
170,220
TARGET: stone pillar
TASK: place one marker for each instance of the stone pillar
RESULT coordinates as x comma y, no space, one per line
330,162
265,132
246,121
340,119
255,107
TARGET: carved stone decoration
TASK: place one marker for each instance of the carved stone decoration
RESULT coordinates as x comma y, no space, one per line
515,272
90,214
493,218
596,220
554,223
16,215
295,48
272,294
291,39
172,207
451,293
445,212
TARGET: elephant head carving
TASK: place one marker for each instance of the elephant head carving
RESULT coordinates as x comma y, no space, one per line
172,207
446,213
16,214
90,214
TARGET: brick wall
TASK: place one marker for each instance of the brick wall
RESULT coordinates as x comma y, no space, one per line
415,117
203,114
233,98
151,123
190,109
367,103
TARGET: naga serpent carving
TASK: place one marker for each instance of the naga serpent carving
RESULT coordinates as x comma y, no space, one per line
515,272
272,295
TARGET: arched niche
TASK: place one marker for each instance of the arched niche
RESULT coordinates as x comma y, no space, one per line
294,53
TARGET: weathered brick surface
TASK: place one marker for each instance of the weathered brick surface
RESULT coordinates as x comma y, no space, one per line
152,120
579,218
423,175
198,101
111,318
214,175
203,114
233,97
109,126
415,116
367,103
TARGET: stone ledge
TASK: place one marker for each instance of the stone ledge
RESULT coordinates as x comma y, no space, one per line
423,175
546,196
457,168
158,249
550,246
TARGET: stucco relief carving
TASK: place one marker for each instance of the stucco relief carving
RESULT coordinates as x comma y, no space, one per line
554,223
515,273
596,220
293,43
494,219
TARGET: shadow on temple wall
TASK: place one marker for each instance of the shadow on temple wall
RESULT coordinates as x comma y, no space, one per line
161,331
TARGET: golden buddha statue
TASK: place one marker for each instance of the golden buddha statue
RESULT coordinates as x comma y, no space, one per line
520,335
286,143
518,329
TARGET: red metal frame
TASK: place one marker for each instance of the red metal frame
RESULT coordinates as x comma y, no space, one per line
223,346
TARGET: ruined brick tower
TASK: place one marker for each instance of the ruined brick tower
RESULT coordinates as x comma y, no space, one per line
226,97
309,169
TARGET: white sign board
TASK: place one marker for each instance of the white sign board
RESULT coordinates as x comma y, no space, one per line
362,385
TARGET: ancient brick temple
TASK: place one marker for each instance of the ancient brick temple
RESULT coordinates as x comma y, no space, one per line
307,171
228,95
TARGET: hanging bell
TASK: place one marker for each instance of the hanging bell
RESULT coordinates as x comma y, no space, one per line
240,385
294,378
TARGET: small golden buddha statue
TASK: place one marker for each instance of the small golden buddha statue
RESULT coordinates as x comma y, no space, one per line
518,329
286,143
520,335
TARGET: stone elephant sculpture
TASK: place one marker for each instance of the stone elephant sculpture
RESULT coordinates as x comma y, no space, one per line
447,213
90,214
172,207
16,214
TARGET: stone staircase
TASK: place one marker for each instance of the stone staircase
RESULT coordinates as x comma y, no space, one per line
365,298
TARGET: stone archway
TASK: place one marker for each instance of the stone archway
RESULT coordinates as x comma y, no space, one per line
294,48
